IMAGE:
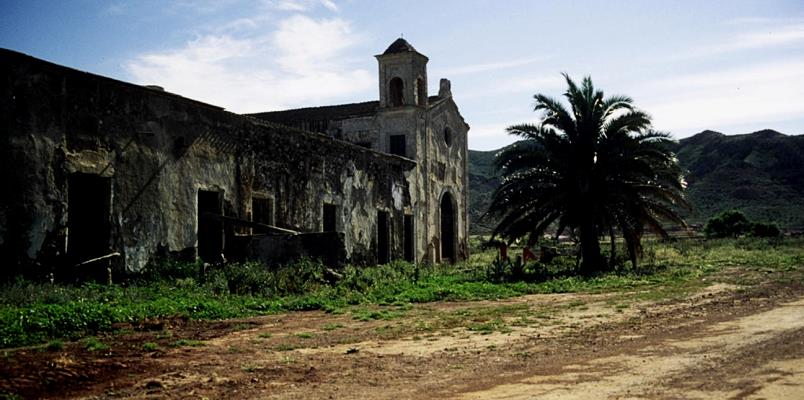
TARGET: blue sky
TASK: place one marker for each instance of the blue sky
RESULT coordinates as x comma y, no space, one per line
734,67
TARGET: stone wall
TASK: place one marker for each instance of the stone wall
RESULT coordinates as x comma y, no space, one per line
156,150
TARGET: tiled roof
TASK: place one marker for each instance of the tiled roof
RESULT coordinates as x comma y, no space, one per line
325,113
336,112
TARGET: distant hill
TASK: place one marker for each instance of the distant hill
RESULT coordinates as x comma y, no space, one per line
760,173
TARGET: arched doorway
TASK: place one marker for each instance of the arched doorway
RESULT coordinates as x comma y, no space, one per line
447,228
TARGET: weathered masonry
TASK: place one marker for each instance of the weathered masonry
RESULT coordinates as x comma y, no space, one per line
97,168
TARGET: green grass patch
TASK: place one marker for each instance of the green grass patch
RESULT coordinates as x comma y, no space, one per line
285,347
150,346
331,326
34,313
188,343
489,327
92,343
54,345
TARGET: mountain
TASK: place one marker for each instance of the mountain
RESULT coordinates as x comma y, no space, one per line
483,179
760,173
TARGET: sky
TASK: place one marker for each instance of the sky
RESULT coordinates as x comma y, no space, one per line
734,67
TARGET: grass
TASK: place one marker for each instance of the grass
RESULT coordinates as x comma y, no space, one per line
188,343
489,327
35,313
54,345
331,326
92,343
150,346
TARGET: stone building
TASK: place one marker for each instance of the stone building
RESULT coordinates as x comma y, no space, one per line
95,168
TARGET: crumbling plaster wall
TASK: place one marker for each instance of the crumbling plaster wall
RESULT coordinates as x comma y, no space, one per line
440,167
447,172
160,149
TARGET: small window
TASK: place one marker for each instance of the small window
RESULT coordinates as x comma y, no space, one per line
398,145
447,136
395,88
329,218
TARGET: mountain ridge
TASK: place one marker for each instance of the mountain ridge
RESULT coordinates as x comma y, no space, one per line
760,173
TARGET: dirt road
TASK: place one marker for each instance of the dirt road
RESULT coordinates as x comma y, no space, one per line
725,341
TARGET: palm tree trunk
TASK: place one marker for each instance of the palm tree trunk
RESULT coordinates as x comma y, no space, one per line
613,255
590,249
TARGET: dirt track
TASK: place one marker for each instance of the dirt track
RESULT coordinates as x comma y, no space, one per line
722,342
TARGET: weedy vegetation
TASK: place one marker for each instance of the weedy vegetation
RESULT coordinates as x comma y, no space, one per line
33,313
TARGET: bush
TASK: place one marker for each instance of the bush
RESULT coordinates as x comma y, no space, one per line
248,278
763,230
731,223
169,269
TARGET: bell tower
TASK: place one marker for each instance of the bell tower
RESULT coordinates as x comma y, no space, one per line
403,76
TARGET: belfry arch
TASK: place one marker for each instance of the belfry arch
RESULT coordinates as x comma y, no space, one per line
395,92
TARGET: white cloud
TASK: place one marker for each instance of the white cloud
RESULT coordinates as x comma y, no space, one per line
487,67
760,38
300,5
305,43
742,95
301,62
527,86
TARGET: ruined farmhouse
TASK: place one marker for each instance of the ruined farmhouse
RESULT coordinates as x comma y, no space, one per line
122,174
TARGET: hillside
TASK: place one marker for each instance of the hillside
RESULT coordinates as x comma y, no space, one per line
483,180
760,173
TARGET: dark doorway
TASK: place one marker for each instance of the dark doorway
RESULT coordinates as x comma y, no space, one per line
383,242
408,237
88,217
447,229
262,211
210,228
398,145
329,218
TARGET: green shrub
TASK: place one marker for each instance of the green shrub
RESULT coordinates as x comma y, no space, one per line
54,345
167,269
731,223
92,343
150,346
763,230
248,278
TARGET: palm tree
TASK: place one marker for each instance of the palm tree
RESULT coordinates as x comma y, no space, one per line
595,169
